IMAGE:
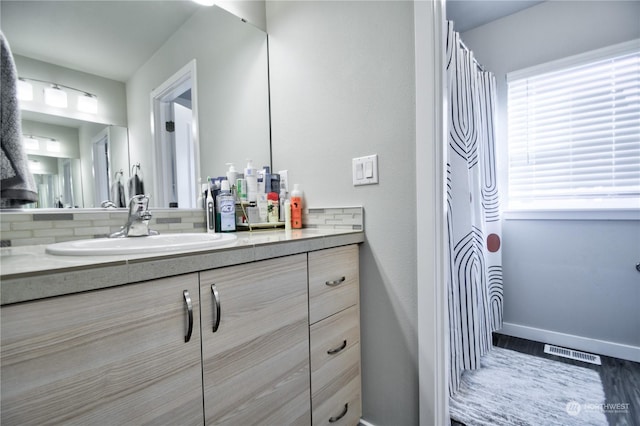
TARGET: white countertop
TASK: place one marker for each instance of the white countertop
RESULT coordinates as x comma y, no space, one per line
28,273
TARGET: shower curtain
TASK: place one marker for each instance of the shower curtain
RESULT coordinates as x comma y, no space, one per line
473,216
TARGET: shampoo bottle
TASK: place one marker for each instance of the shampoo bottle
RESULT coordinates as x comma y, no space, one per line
225,209
296,207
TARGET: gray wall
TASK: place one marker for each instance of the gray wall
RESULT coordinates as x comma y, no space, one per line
573,277
343,86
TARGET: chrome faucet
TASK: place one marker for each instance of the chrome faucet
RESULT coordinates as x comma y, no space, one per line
138,221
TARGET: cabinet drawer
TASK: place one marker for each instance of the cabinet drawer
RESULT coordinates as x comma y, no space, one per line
335,369
333,281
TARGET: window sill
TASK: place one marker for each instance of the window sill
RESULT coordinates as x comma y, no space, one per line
574,214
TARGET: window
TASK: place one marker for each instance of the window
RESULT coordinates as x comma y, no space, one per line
574,132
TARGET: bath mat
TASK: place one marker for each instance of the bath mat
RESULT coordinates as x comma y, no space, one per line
512,389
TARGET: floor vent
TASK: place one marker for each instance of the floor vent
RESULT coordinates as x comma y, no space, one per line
571,354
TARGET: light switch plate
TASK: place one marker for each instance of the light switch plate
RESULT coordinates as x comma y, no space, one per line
365,170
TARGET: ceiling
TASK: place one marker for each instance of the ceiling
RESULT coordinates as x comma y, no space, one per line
108,38
469,14
113,39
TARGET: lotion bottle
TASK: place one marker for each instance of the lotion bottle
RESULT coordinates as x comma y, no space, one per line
296,207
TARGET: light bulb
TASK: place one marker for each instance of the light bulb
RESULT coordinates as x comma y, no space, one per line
55,97
31,143
88,103
25,90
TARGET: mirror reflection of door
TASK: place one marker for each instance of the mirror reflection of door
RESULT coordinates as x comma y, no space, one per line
67,199
184,174
174,140
101,167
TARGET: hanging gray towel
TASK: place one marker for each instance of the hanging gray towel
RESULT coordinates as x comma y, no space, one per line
117,194
136,186
17,186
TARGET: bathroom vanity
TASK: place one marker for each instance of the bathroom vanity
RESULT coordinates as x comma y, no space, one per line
266,331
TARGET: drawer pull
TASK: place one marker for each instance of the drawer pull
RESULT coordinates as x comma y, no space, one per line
189,305
216,307
341,415
338,349
335,282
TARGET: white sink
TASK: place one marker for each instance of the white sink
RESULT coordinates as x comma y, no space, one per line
138,245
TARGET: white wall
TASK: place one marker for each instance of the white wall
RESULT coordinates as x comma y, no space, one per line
570,282
343,86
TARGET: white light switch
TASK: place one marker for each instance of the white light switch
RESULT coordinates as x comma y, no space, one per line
365,170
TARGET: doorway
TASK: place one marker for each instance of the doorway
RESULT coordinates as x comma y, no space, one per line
175,139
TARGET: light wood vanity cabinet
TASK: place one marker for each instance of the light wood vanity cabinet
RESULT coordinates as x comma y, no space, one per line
272,342
113,356
334,318
255,343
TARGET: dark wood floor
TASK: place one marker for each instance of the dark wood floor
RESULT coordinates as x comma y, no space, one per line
620,378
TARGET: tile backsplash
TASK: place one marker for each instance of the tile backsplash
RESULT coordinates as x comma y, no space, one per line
23,228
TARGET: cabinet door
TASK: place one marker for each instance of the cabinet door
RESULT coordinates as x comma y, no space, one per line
113,356
256,364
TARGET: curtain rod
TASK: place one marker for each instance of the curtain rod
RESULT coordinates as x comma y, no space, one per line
475,61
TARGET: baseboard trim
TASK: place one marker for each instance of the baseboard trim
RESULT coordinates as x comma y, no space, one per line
600,347
363,422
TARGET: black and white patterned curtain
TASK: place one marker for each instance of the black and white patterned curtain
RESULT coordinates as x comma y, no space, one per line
473,215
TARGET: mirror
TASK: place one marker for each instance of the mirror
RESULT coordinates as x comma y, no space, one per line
62,152
230,83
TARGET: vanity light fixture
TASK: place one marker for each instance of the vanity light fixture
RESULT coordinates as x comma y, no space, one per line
32,142
25,90
54,96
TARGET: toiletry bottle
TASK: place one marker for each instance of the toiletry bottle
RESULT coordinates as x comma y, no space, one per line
273,208
296,207
266,171
282,198
210,213
250,175
225,209
241,189
261,182
263,208
287,215
232,175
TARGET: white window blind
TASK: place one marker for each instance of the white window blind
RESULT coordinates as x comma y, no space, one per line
574,132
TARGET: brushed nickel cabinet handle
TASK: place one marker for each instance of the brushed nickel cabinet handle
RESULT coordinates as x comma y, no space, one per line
341,415
216,310
338,349
335,282
189,305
